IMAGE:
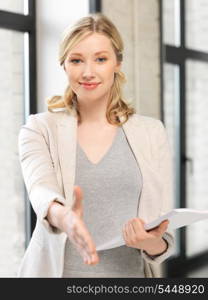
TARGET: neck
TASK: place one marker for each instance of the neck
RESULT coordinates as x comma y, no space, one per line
93,112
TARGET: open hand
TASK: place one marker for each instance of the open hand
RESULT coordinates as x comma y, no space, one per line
77,231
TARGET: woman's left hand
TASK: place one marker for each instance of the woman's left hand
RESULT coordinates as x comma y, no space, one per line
151,241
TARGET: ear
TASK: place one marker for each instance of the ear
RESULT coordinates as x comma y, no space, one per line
118,67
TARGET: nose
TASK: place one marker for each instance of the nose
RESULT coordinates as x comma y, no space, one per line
88,70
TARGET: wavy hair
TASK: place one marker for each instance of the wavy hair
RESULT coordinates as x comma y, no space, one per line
117,106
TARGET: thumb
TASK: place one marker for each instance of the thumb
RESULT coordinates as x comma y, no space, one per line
77,201
162,227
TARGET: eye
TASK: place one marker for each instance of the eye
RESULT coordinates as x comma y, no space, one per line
75,61
102,59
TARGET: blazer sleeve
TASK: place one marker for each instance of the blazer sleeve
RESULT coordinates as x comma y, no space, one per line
38,171
166,173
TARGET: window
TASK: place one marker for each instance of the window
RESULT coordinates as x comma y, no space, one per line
184,48
18,100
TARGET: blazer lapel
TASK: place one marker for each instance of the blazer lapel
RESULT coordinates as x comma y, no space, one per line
137,136
151,195
67,137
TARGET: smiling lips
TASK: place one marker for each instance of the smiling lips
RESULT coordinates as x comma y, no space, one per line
89,86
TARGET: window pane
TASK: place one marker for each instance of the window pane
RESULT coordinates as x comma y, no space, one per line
16,6
171,112
12,231
197,24
197,152
171,22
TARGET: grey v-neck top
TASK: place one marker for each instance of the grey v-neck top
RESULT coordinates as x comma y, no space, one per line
111,191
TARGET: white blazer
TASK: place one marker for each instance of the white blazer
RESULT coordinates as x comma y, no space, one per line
47,153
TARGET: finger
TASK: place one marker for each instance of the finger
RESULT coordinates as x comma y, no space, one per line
79,240
82,238
85,256
142,221
83,249
138,225
164,224
129,233
89,243
130,230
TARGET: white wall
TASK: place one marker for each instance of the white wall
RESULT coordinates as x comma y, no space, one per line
53,16
138,23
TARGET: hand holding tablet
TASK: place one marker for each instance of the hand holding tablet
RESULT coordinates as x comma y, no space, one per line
179,217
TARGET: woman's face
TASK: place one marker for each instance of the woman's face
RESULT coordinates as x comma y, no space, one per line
90,67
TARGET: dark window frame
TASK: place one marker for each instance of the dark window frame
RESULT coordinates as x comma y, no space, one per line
95,6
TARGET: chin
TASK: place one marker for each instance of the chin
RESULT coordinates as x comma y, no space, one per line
91,98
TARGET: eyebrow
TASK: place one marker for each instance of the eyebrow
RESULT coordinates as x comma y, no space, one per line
99,52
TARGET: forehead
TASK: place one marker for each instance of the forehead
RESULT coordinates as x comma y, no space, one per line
94,43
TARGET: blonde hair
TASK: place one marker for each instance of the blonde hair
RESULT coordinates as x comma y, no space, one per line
117,107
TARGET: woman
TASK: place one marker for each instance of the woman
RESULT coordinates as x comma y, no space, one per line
95,171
